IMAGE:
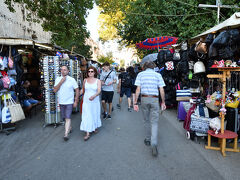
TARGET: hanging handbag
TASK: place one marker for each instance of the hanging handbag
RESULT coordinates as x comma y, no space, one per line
5,80
16,111
201,47
6,116
176,55
209,39
183,95
169,65
5,62
12,72
1,63
221,40
10,62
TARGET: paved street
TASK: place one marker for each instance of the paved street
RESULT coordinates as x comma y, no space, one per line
116,152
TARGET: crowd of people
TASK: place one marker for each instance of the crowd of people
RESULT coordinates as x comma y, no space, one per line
147,85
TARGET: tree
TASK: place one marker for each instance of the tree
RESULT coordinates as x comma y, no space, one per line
152,18
107,58
64,18
122,63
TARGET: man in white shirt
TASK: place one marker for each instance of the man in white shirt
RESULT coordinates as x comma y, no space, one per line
65,86
149,84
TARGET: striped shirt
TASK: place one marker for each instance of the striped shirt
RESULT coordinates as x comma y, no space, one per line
149,82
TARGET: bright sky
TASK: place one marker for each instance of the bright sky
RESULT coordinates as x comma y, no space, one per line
110,46
92,24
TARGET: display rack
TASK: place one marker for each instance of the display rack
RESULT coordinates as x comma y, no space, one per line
52,109
74,67
224,134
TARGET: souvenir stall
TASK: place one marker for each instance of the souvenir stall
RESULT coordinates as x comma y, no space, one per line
212,108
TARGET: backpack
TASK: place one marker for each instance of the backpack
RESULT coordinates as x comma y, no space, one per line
126,80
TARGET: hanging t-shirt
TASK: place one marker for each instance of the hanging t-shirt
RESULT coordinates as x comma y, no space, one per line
112,76
66,90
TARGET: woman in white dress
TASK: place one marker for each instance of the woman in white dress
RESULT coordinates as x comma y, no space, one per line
91,104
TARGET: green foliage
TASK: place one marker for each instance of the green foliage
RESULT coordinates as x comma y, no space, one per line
122,63
64,18
150,18
107,58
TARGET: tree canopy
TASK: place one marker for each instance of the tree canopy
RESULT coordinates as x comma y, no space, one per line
66,19
107,58
152,18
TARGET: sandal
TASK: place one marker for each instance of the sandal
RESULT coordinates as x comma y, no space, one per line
65,138
86,137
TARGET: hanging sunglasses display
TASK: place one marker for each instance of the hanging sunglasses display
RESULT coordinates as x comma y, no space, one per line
49,72
75,72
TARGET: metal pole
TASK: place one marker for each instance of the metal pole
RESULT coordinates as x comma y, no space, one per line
218,11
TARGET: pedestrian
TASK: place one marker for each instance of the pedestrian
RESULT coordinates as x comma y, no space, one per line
65,86
91,120
150,83
108,78
133,76
124,87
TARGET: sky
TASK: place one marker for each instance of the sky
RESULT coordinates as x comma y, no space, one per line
110,46
92,24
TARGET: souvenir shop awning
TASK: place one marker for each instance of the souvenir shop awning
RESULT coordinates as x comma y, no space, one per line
11,41
157,42
232,22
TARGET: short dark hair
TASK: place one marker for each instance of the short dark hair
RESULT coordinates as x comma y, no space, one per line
106,64
65,66
122,69
94,69
149,64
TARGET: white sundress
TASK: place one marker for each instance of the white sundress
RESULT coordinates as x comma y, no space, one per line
90,109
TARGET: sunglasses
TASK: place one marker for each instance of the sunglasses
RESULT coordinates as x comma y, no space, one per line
91,71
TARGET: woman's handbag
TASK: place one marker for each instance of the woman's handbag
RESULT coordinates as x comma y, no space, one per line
16,111
6,116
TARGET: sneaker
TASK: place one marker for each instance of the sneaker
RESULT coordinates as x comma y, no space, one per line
104,115
109,116
118,106
129,109
112,109
154,151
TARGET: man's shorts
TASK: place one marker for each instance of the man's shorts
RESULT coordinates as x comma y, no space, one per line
66,110
107,96
126,91
29,102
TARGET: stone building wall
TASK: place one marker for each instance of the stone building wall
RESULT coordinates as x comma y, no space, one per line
15,25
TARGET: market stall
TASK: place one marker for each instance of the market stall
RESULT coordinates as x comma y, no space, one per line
213,106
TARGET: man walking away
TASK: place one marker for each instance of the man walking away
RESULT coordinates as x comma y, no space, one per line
124,87
65,86
108,78
150,83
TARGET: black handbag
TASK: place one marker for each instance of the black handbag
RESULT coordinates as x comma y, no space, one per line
225,53
209,39
222,39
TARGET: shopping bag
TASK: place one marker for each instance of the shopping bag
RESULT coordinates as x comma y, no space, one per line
6,116
16,111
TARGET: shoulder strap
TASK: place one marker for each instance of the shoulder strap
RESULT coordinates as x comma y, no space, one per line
107,75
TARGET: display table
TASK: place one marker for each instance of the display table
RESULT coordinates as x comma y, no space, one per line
224,134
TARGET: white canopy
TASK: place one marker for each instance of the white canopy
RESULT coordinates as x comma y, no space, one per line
232,22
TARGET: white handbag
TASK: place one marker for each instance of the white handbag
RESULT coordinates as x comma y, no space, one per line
16,111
